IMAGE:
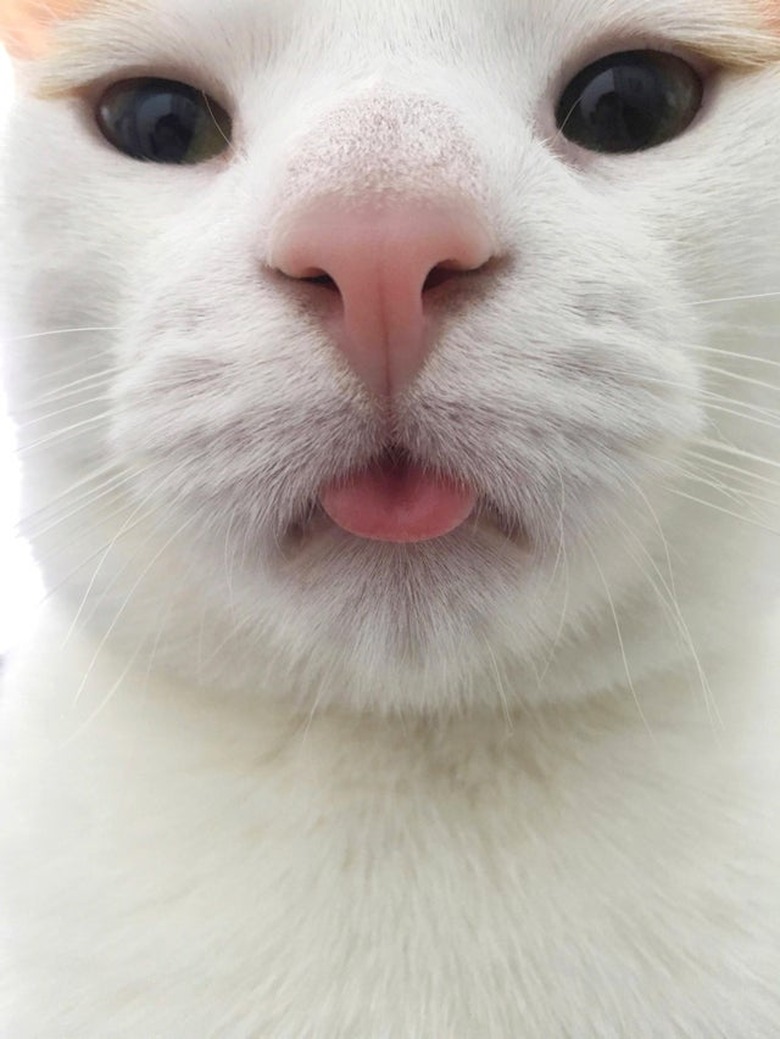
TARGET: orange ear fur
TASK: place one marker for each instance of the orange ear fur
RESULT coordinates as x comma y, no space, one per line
25,25
769,13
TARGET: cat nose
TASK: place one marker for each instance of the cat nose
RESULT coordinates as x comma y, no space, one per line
381,267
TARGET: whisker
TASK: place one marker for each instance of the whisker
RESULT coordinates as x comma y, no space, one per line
48,416
738,452
720,508
670,603
55,376
131,523
561,557
120,612
111,544
660,530
739,497
621,642
69,540
106,699
89,498
60,434
709,394
734,354
70,389
231,147
738,471
738,377
746,497
759,419
716,400
736,299
54,589
62,331
500,687
716,479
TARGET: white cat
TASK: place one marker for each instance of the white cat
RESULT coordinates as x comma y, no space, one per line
397,389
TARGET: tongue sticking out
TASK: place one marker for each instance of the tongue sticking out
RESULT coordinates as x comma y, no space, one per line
397,501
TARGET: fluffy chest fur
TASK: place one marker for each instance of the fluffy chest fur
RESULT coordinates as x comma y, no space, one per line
176,873
396,389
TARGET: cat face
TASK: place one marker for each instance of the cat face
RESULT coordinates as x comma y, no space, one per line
400,355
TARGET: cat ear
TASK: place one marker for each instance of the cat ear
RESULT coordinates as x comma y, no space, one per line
772,8
768,12
25,25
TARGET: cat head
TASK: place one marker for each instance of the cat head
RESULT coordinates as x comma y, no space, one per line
395,353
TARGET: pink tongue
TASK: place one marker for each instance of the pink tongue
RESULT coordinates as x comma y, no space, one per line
398,503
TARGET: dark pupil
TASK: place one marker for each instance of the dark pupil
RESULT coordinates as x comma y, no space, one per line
622,104
159,123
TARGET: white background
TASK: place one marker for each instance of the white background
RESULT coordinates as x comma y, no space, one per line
20,586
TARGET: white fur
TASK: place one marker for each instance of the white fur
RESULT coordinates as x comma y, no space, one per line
484,786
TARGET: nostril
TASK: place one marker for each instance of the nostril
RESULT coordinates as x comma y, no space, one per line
316,276
438,275
442,272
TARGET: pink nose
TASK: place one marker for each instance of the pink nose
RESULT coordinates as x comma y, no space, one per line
381,263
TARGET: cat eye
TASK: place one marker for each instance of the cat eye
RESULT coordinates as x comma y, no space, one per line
161,120
629,102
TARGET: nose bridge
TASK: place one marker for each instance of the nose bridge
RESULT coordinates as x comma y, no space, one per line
384,190
383,144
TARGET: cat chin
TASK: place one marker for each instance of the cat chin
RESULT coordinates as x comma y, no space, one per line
459,623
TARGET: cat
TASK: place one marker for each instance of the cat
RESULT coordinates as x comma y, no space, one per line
396,390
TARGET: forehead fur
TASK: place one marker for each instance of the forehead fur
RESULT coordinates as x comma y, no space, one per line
751,38
26,25
734,33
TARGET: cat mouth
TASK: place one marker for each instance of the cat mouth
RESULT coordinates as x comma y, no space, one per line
399,500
